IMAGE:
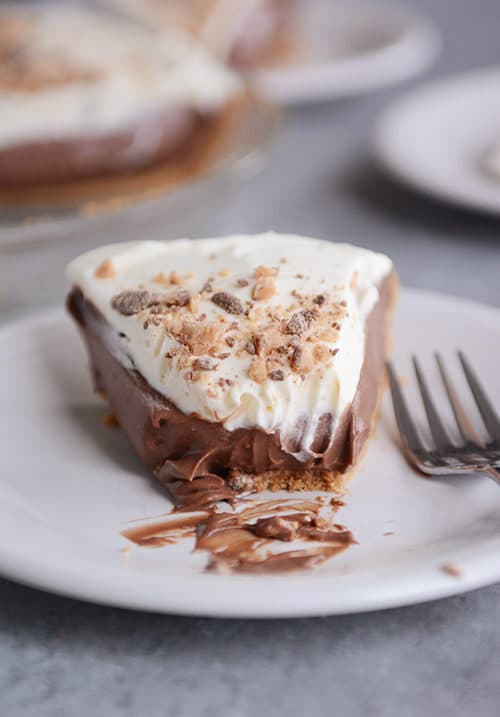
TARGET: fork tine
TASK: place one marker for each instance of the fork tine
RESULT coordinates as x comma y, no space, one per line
407,428
438,432
488,414
467,432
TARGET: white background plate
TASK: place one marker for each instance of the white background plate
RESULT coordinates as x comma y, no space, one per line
436,139
347,47
68,485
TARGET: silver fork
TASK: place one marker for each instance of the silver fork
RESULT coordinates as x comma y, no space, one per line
470,454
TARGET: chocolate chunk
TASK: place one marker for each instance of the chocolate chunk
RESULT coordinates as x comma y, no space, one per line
230,341
182,298
203,363
250,347
319,300
310,315
228,302
277,375
297,324
129,303
207,286
242,282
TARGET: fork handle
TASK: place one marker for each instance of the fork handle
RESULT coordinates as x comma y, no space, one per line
493,473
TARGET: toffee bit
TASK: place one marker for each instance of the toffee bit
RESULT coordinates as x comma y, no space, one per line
277,375
175,278
129,303
192,376
242,282
321,352
228,302
182,298
451,570
105,270
265,271
334,352
264,289
207,287
301,360
160,278
194,303
203,363
297,324
229,382
257,371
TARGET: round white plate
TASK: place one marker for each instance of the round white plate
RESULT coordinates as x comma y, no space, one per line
68,485
437,138
347,47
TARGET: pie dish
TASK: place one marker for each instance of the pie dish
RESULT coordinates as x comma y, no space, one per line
117,100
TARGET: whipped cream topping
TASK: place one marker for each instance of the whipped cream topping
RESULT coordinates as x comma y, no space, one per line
260,331
111,73
217,23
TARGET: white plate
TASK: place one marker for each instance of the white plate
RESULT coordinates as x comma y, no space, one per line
68,485
436,139
346,48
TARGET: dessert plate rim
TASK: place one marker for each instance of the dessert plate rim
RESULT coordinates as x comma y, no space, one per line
451,169
410,51
67,570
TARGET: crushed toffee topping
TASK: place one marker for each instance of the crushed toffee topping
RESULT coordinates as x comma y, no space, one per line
106,270
278,339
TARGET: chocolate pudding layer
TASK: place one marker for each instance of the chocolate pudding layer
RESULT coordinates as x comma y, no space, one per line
180,447
150,140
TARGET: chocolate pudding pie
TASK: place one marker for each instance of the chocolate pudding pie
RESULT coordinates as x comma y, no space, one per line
242,33
238,363
83,93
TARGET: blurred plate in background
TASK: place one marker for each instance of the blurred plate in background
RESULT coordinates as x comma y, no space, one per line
339,48
438,139
231,149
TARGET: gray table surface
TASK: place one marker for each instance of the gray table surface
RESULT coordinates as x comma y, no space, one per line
62,658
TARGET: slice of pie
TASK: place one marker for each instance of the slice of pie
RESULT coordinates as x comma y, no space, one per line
83,93
243,362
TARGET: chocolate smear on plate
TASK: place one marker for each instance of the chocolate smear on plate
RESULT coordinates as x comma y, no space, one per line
243,534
